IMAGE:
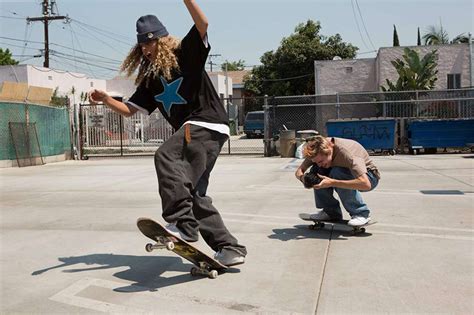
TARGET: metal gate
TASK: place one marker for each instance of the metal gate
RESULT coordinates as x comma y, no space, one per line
106,133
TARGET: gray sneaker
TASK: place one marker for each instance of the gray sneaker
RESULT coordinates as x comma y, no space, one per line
229,257
320,216
173,229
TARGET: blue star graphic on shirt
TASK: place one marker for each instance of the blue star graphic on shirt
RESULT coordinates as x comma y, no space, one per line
170,95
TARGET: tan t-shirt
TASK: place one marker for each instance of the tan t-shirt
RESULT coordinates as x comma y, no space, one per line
352,155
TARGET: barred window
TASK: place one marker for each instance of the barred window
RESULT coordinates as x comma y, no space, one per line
454,81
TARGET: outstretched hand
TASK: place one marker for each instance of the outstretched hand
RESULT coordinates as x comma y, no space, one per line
97,96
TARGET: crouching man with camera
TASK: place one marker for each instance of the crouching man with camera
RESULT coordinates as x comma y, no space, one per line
342,165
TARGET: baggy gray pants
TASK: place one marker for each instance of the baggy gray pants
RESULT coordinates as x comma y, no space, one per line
183,171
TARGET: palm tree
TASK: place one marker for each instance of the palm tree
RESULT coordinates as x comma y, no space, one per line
438,36
415,73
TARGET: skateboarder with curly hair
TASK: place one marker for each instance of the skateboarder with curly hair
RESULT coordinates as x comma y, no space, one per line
171,77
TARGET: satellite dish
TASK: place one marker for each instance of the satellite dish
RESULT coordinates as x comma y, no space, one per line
337,58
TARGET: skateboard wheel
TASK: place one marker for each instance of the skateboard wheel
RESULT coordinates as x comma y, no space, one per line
194,271
362,230
169,245
213,274
149,247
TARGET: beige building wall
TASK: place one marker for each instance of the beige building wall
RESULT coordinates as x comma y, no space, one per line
355,75
367,75
452,59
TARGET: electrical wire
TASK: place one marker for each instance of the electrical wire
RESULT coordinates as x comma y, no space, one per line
288,79
358,26
363,24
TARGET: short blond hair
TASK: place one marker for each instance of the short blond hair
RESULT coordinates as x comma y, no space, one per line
316,145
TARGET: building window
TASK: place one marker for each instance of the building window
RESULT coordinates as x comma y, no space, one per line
348,69
50,77
454,81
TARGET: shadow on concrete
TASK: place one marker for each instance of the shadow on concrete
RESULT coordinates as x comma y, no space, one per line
144,271
299,232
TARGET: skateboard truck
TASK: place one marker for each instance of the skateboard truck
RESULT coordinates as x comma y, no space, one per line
204,269
162,242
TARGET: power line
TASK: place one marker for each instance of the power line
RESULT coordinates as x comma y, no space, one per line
358,27
99,30
10,17
12,45
54,44
288,79
84,62
79,43
363,24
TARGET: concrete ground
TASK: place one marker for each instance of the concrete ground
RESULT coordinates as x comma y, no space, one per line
69,243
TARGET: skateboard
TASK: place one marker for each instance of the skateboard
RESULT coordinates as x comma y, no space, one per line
321,223
204,264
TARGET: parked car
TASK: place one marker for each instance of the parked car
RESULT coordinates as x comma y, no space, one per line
254,124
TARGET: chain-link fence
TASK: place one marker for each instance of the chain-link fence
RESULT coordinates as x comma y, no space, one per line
104,132
51,125
313,112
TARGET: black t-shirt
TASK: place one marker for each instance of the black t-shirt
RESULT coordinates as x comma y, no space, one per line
189,95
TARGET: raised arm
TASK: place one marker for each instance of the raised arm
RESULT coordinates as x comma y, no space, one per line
200,20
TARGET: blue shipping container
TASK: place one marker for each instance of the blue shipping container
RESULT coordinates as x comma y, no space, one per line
440,133
372,134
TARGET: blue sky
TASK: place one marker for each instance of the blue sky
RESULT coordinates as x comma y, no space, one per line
239,29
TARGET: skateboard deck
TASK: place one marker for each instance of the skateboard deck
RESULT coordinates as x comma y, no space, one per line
205,265
319,224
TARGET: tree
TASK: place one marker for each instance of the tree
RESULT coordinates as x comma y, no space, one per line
396,42
58,100
439,36
233,66
414,74
6,58
289,69
418,42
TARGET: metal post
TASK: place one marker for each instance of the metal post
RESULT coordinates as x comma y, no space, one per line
80,122
417,105
121,134
228,119
228,114
267,141
317,88
142,130
471,64
45,19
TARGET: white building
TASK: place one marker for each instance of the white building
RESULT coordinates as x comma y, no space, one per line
65,81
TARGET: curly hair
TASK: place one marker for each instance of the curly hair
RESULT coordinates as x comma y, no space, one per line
165,63
316,145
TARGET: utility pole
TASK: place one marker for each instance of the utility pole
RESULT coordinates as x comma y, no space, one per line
210,59
47,11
